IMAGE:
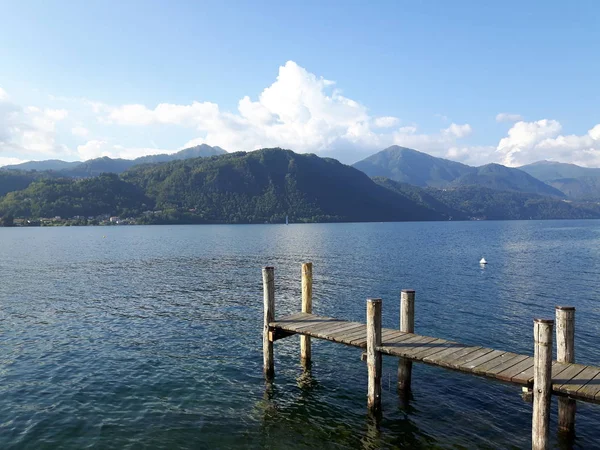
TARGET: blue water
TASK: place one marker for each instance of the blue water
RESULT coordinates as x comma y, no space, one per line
150,337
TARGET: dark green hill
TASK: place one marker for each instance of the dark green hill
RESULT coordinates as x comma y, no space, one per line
266,185
501,178
410,166
66,197
16,180
483,203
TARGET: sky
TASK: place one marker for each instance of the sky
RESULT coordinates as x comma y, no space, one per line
510,82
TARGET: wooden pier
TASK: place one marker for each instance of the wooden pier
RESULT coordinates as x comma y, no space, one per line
539,373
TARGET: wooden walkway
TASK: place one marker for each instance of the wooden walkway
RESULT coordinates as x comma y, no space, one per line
575,380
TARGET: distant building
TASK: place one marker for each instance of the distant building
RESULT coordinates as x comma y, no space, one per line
114,219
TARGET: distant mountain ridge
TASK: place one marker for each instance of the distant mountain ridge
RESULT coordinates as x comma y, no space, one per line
420,169
579,183
94,167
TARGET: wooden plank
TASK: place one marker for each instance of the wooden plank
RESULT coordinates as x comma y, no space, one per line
457,362
326,333
472,364
432,359
291,317
434,347
578,381
316,324
338,335
591,389
407,348
566,375
392,336
515,371
508,360
348,338
343,328
354,334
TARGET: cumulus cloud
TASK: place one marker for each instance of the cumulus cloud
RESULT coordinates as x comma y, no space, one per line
528,142
299,111
99,148
507,117
28,131
386,122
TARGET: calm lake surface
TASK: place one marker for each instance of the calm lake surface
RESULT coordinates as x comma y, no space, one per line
150,337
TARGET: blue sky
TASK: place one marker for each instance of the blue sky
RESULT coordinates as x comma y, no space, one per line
342,79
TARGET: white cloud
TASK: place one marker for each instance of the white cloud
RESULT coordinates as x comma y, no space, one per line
29,131
299,111
79,131
99,148
507,117
8,161
459,131
386,122
3,95
528,142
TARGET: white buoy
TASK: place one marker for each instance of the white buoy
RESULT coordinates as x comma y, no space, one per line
482,261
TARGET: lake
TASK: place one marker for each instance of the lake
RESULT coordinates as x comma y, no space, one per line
150,337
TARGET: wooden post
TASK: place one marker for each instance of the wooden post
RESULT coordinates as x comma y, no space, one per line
542,383
269,316
305,349
565,352
373,355
407,324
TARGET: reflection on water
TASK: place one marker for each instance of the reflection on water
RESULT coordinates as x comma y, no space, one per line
151,337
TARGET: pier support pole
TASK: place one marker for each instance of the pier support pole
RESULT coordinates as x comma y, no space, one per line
542,383
565,352
373,355
269,316
305,349
407,325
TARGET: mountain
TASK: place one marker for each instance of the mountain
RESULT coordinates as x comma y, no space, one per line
410,166
502,178
15,180
420,169
49,164
262,186
580,183
551,170
474,202
266,185
67,197
94,167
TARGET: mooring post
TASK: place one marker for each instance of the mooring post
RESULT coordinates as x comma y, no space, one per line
565,352
305,350
542,383
269,316
407,325
373,355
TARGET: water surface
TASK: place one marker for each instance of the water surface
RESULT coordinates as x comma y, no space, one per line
150,337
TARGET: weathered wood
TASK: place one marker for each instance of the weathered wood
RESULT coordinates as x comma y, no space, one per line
542,383
305,347
505,366
591,388
407,324
565,352
373,355
508,360
519,373
269,316
433,359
